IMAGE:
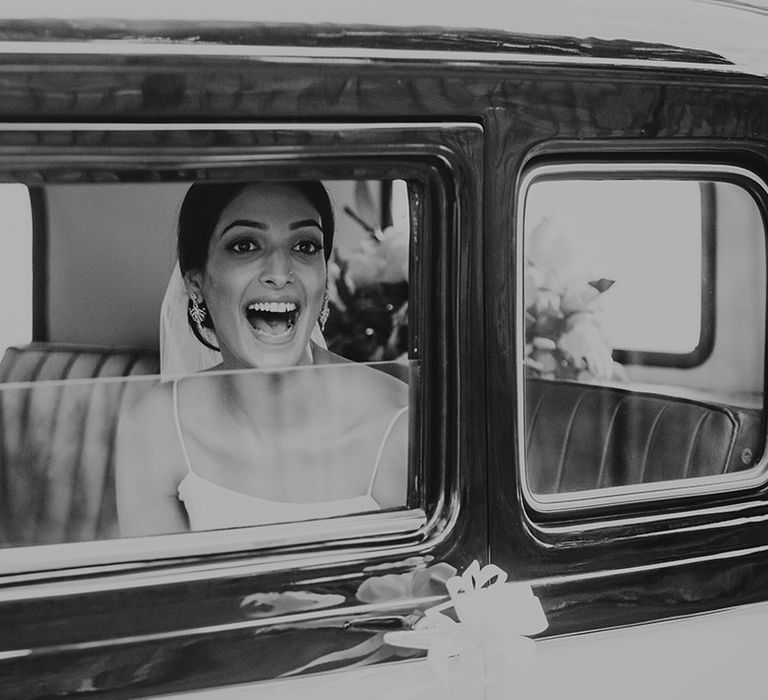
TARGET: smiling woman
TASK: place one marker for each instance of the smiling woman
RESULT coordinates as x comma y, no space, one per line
234,448
245,252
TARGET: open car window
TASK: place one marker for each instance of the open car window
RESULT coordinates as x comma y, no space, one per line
104,223
69,456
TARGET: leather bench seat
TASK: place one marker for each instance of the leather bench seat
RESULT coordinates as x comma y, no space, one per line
59,406
583,436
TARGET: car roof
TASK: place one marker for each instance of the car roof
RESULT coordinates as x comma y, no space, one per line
730,32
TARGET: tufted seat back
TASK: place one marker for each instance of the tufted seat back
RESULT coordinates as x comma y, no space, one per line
582,436
59,406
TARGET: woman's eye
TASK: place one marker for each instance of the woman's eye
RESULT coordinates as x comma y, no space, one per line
243,246
308,247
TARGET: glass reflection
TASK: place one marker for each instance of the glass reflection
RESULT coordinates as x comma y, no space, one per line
233,449
636,293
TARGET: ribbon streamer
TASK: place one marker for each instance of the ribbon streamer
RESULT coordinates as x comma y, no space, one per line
490,637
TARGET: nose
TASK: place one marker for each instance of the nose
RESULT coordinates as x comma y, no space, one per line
277,271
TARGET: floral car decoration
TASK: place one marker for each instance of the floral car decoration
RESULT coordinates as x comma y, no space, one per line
487,639
479,635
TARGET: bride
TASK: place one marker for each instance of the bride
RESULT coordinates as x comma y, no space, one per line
280,429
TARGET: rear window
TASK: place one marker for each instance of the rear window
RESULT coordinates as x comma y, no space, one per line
643,302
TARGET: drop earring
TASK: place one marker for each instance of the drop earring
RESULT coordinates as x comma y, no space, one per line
325,311
197,312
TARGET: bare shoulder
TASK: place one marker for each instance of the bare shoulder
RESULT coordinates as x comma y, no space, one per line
147,429
149,465
384,384
152,407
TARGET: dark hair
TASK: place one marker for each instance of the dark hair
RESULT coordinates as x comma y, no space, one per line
200,212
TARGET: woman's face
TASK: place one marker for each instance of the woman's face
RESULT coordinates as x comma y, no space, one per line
265,277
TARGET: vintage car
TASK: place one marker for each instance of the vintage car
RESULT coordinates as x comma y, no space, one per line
551,224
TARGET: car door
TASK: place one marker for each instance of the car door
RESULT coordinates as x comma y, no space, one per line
84,610
626,346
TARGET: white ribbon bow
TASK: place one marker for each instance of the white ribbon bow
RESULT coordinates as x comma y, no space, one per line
490,639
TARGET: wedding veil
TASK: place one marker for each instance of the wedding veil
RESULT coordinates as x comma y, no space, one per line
180,351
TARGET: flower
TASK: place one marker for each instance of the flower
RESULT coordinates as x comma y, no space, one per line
585,347
369,315
483,598
379,259
564,334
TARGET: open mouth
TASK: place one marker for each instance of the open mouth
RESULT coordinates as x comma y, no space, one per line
273,319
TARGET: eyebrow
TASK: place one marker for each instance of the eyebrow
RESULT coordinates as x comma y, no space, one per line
248,223
251,223
303,223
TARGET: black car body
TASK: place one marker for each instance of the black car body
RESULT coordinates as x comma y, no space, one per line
661,574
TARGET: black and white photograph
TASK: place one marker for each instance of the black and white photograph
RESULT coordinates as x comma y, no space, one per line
408,351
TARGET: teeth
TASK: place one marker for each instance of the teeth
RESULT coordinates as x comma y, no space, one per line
275,307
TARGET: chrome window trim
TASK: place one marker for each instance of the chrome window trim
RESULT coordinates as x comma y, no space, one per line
297,618
229,627
237,126
338,532
718,516
578,501
431,532
133,576
644,569
361,56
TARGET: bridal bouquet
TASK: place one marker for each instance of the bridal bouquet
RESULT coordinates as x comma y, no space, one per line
564,333
369,299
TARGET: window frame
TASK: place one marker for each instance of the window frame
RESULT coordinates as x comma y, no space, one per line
617,501
434,158
707,296
39,258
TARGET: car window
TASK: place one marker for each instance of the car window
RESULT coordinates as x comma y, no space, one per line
314,250
89,445
644,333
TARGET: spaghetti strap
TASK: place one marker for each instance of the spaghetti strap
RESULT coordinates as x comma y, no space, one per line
381,448
178,425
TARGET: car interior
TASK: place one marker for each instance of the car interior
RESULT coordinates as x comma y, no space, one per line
661,412
103,255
